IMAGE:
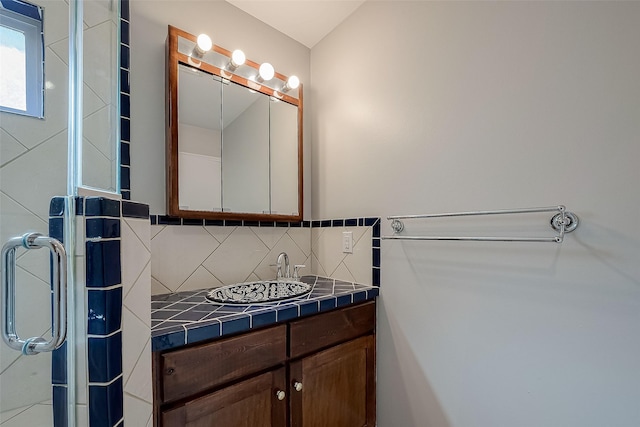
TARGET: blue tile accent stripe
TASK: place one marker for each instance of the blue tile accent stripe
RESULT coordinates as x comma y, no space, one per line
186,317
135,210
106,404
125,102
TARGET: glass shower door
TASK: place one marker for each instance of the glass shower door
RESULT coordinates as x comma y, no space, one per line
43,157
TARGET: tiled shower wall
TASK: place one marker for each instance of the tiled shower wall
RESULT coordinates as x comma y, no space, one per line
189,255
33,170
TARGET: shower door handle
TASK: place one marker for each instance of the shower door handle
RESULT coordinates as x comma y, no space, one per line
10,336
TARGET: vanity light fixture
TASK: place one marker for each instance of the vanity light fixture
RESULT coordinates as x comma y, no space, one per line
265,72
292,83
237,59
203,45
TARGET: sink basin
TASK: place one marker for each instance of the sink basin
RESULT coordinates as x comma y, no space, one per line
258,292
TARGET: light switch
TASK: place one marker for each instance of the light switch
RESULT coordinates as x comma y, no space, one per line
347,242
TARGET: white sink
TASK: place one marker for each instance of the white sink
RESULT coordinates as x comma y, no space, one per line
258,292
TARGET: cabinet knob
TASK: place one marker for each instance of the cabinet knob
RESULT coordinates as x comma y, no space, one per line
280,395
297,385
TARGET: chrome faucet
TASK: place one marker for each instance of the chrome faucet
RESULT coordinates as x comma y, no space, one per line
287,271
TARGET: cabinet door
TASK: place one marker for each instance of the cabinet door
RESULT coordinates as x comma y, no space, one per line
250,403
336,386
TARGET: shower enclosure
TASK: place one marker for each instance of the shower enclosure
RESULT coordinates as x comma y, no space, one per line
67,145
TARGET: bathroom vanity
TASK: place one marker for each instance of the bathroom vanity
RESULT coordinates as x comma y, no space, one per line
313,369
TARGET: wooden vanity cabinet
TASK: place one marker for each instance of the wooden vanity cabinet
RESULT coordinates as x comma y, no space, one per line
317,371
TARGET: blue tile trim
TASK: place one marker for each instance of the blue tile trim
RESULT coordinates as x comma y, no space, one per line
125,177
125,102
56,228
135,210
235,324
103,267
376,277
263,318
309,308
106,228
186,221
105,311
124,9
125,129
125,153
328,303
343,300
56,206
124,32
104,358
60,416
105,404
125,105
124,56
168,340
124,81
167,220
376,257
59,365
286,313
202,333
100,206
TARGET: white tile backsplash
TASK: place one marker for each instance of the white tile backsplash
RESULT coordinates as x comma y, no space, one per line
247,253
243,254
176,252
329,260
237,256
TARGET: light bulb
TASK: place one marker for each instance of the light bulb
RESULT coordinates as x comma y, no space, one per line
292,83
237,58
203,45
266,71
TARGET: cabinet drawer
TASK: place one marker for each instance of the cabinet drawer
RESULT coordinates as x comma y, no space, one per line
324,330
192,370
250,403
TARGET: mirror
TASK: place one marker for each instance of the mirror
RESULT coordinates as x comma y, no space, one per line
234,146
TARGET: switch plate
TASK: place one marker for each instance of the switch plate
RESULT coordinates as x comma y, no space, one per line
347,242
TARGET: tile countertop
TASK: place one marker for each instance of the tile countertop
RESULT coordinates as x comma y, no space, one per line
187,317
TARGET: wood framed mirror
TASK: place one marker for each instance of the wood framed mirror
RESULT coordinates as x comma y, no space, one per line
233,141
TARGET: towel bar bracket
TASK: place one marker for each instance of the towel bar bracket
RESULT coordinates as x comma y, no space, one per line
569,219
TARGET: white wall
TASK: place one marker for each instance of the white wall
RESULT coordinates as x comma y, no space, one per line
230,28
422,107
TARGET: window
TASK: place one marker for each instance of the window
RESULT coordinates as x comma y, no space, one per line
21,58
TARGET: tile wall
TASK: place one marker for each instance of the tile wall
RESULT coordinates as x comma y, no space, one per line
113,326
196,254
361,266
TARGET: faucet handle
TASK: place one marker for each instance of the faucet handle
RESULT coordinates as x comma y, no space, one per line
295,270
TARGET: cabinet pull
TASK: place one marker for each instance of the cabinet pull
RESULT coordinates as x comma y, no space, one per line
280,394
297,385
